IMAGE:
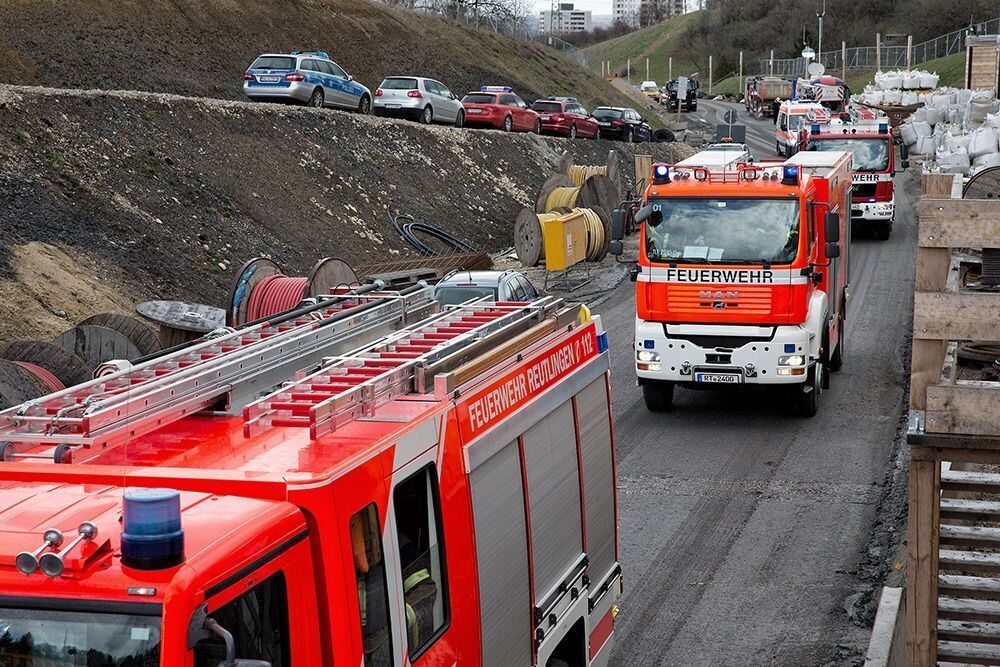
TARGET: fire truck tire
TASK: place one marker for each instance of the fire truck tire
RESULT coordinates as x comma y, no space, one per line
882,232
694,107
807,399
556,662
658,396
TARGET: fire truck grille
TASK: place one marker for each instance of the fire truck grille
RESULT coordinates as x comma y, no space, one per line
865,189
741,299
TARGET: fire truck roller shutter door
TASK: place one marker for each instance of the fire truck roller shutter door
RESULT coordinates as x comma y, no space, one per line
502,558
598,478
553,481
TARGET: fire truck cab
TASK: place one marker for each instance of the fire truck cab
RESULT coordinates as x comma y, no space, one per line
742,277
873,167
793,121
438,489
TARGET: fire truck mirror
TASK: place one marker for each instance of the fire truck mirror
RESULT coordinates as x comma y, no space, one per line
832,251
617,226
832,221
649,213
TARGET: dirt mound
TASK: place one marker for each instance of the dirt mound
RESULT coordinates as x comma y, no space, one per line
164,196
202,47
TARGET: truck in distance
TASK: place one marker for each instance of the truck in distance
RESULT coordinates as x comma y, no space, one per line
742,276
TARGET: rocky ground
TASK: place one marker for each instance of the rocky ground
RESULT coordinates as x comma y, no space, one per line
165,196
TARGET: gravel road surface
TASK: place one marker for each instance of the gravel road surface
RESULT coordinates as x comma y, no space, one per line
743,528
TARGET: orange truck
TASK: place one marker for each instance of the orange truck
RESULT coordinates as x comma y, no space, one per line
360,481
742,276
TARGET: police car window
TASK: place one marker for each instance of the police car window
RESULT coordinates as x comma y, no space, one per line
309,66
274,62
337,70
421,554
325,67
258,621
373,594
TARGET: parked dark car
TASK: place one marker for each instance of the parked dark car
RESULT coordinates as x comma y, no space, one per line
621,123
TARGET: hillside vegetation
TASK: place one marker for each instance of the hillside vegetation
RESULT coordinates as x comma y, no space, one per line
202,47
657,42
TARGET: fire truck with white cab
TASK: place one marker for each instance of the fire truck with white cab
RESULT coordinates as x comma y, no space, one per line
742,277
363,480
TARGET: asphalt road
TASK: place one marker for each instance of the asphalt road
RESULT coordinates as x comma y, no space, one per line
742,527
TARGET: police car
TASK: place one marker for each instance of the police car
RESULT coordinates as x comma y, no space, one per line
309,77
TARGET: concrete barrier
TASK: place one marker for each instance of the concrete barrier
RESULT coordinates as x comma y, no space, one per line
887,647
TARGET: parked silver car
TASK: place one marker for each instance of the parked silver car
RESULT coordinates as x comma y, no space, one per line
309,77
460,286
418,98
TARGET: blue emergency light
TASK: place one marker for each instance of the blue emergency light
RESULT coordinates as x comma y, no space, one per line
555,98
789,347
497,89
602,341
883,128
661,174
648,344
790,174
152,537
815,128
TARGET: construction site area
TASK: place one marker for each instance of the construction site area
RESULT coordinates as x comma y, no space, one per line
433,347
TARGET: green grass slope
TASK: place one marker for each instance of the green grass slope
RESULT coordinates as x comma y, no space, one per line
202,47
657,42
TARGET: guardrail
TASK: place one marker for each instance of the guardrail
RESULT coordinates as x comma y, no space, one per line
887,646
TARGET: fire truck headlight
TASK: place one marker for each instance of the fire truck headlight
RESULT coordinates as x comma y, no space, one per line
652,367
648,355
791,360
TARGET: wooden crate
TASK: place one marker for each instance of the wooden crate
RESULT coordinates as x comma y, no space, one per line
942,313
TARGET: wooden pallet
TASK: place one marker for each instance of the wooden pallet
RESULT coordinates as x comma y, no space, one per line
953,541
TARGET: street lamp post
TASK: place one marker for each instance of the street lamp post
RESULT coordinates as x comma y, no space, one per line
807,55
819,49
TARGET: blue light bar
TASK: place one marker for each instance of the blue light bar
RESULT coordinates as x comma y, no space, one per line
661,174
789,347
815,128
497,89
883,128
790,174
152,538
556,98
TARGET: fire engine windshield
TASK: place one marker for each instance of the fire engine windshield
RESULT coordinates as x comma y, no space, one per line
725,231
868,154
48,638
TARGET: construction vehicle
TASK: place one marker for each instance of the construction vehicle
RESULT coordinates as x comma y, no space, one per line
742,277
415,486
762,91
690,100
873,166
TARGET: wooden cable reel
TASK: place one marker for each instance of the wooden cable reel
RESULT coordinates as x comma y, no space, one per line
139,334
328,274
65,365
95,344
529,240
254,271
18,385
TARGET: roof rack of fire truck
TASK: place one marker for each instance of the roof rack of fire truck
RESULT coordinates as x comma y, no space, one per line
139,399
462,341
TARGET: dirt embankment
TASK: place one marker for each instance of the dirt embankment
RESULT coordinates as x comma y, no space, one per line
202,47
155,195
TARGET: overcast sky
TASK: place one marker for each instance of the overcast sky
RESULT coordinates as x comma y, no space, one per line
596,6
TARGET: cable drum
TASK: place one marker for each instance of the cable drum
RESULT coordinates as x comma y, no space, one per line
558,192
529,240
18,385
66,366
261,288
986,185
275,294
579,173
50,381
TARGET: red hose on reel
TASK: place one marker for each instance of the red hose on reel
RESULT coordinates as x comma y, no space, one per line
47,378
275,294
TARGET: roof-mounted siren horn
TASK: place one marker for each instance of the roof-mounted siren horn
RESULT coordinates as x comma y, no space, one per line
52,564
27,561
152,538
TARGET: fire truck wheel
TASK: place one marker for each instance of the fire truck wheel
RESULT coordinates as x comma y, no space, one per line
659,396
882,232
556,662
807,401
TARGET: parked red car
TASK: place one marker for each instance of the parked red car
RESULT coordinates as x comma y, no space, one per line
566,117
498,107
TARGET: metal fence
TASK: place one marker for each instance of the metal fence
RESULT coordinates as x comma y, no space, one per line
891,57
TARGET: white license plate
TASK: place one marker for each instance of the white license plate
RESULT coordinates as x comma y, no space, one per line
268,79
391,106
544,117
475,110
720,378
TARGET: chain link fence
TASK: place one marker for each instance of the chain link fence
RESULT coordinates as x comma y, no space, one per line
891,57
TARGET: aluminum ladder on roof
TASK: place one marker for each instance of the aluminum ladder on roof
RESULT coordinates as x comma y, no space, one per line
354,386
222,372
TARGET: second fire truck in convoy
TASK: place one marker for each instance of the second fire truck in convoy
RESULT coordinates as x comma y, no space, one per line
868,138
362,480
742,276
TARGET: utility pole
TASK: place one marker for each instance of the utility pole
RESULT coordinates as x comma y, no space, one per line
878,52
843,61
909,52
670,68
628,71
709,77
739,91
647,69
771,63
819,49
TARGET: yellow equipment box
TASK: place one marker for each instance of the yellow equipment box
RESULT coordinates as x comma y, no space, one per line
565,239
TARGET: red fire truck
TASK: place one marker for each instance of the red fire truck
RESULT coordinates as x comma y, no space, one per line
742,277
873,166
362,480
